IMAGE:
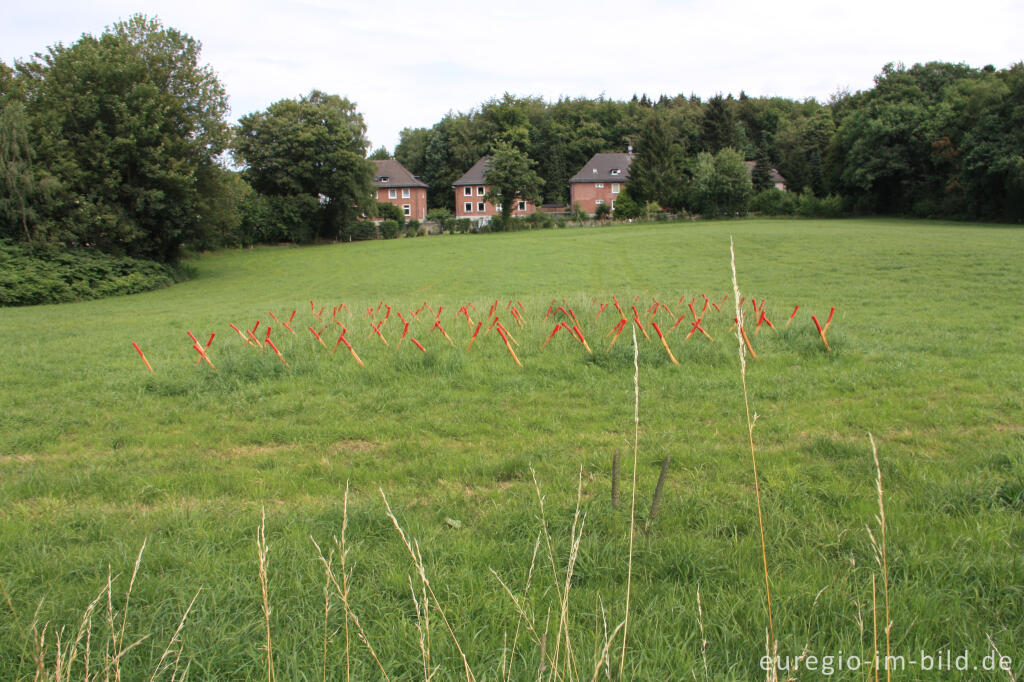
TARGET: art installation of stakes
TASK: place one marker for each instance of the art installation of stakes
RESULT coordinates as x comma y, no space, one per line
565,319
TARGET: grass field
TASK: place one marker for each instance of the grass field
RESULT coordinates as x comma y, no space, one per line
98,456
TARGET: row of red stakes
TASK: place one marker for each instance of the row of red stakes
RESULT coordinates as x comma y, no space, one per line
517,310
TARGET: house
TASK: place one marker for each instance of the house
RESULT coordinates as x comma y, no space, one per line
470,191
600,181
777,180
395,185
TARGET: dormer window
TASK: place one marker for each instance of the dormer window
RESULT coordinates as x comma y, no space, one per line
383,178
616,171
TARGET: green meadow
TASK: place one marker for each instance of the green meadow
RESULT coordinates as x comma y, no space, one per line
98,457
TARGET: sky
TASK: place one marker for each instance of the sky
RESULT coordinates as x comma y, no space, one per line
407,64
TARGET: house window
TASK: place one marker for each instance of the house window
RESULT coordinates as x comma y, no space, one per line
392,194
599,185
598,202
467,191
480,191
480,207
615,188
407,210
406,192
613,205
467,207
522,206
383,178
616,171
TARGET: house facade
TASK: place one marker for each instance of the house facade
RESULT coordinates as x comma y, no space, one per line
600,181
396,185
471,190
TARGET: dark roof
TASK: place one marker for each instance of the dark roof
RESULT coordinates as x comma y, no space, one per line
475,175
602,167
390,173
776,177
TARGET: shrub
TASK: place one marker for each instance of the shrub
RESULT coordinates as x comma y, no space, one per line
388,229
603,212
391,212
31,274
463,225
774,202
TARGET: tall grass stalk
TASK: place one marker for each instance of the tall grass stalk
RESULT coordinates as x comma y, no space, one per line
772,672
632,504
341,590
417,559
262,553
880,551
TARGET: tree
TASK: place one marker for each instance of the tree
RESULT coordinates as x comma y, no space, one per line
657,171
511,177
626,207
379,154
721,184
126,124
310,150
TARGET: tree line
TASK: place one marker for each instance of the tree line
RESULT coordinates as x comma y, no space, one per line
121,143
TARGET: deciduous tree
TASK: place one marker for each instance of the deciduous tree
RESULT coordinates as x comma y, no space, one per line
310,150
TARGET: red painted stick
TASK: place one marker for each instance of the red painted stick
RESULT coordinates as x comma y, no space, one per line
311,330
792,316
743,332
603,306
636,321
503,328
618,330
618,307
280,357
829,320
244,337
405,330
418,344
437,325
821,332
579,334
254,339
475,332
143,356
551,335
665,343
274,316
508,345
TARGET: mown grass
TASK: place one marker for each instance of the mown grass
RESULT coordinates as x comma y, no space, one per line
97,455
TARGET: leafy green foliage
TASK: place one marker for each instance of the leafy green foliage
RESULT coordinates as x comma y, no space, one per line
388,229
721,184
124,128
32,274
310,150
511,178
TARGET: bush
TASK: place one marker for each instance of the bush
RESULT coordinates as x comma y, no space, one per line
391,212
774,202
603,212
31,274
540,221
810,206
388,229
462,225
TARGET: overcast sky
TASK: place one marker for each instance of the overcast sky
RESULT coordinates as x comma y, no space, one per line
407,63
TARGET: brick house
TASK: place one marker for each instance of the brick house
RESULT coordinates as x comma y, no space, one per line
395,185
599,181
470,191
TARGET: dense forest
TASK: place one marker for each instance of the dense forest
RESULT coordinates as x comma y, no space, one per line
120,144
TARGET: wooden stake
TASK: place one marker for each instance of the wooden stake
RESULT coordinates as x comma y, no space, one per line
143,356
